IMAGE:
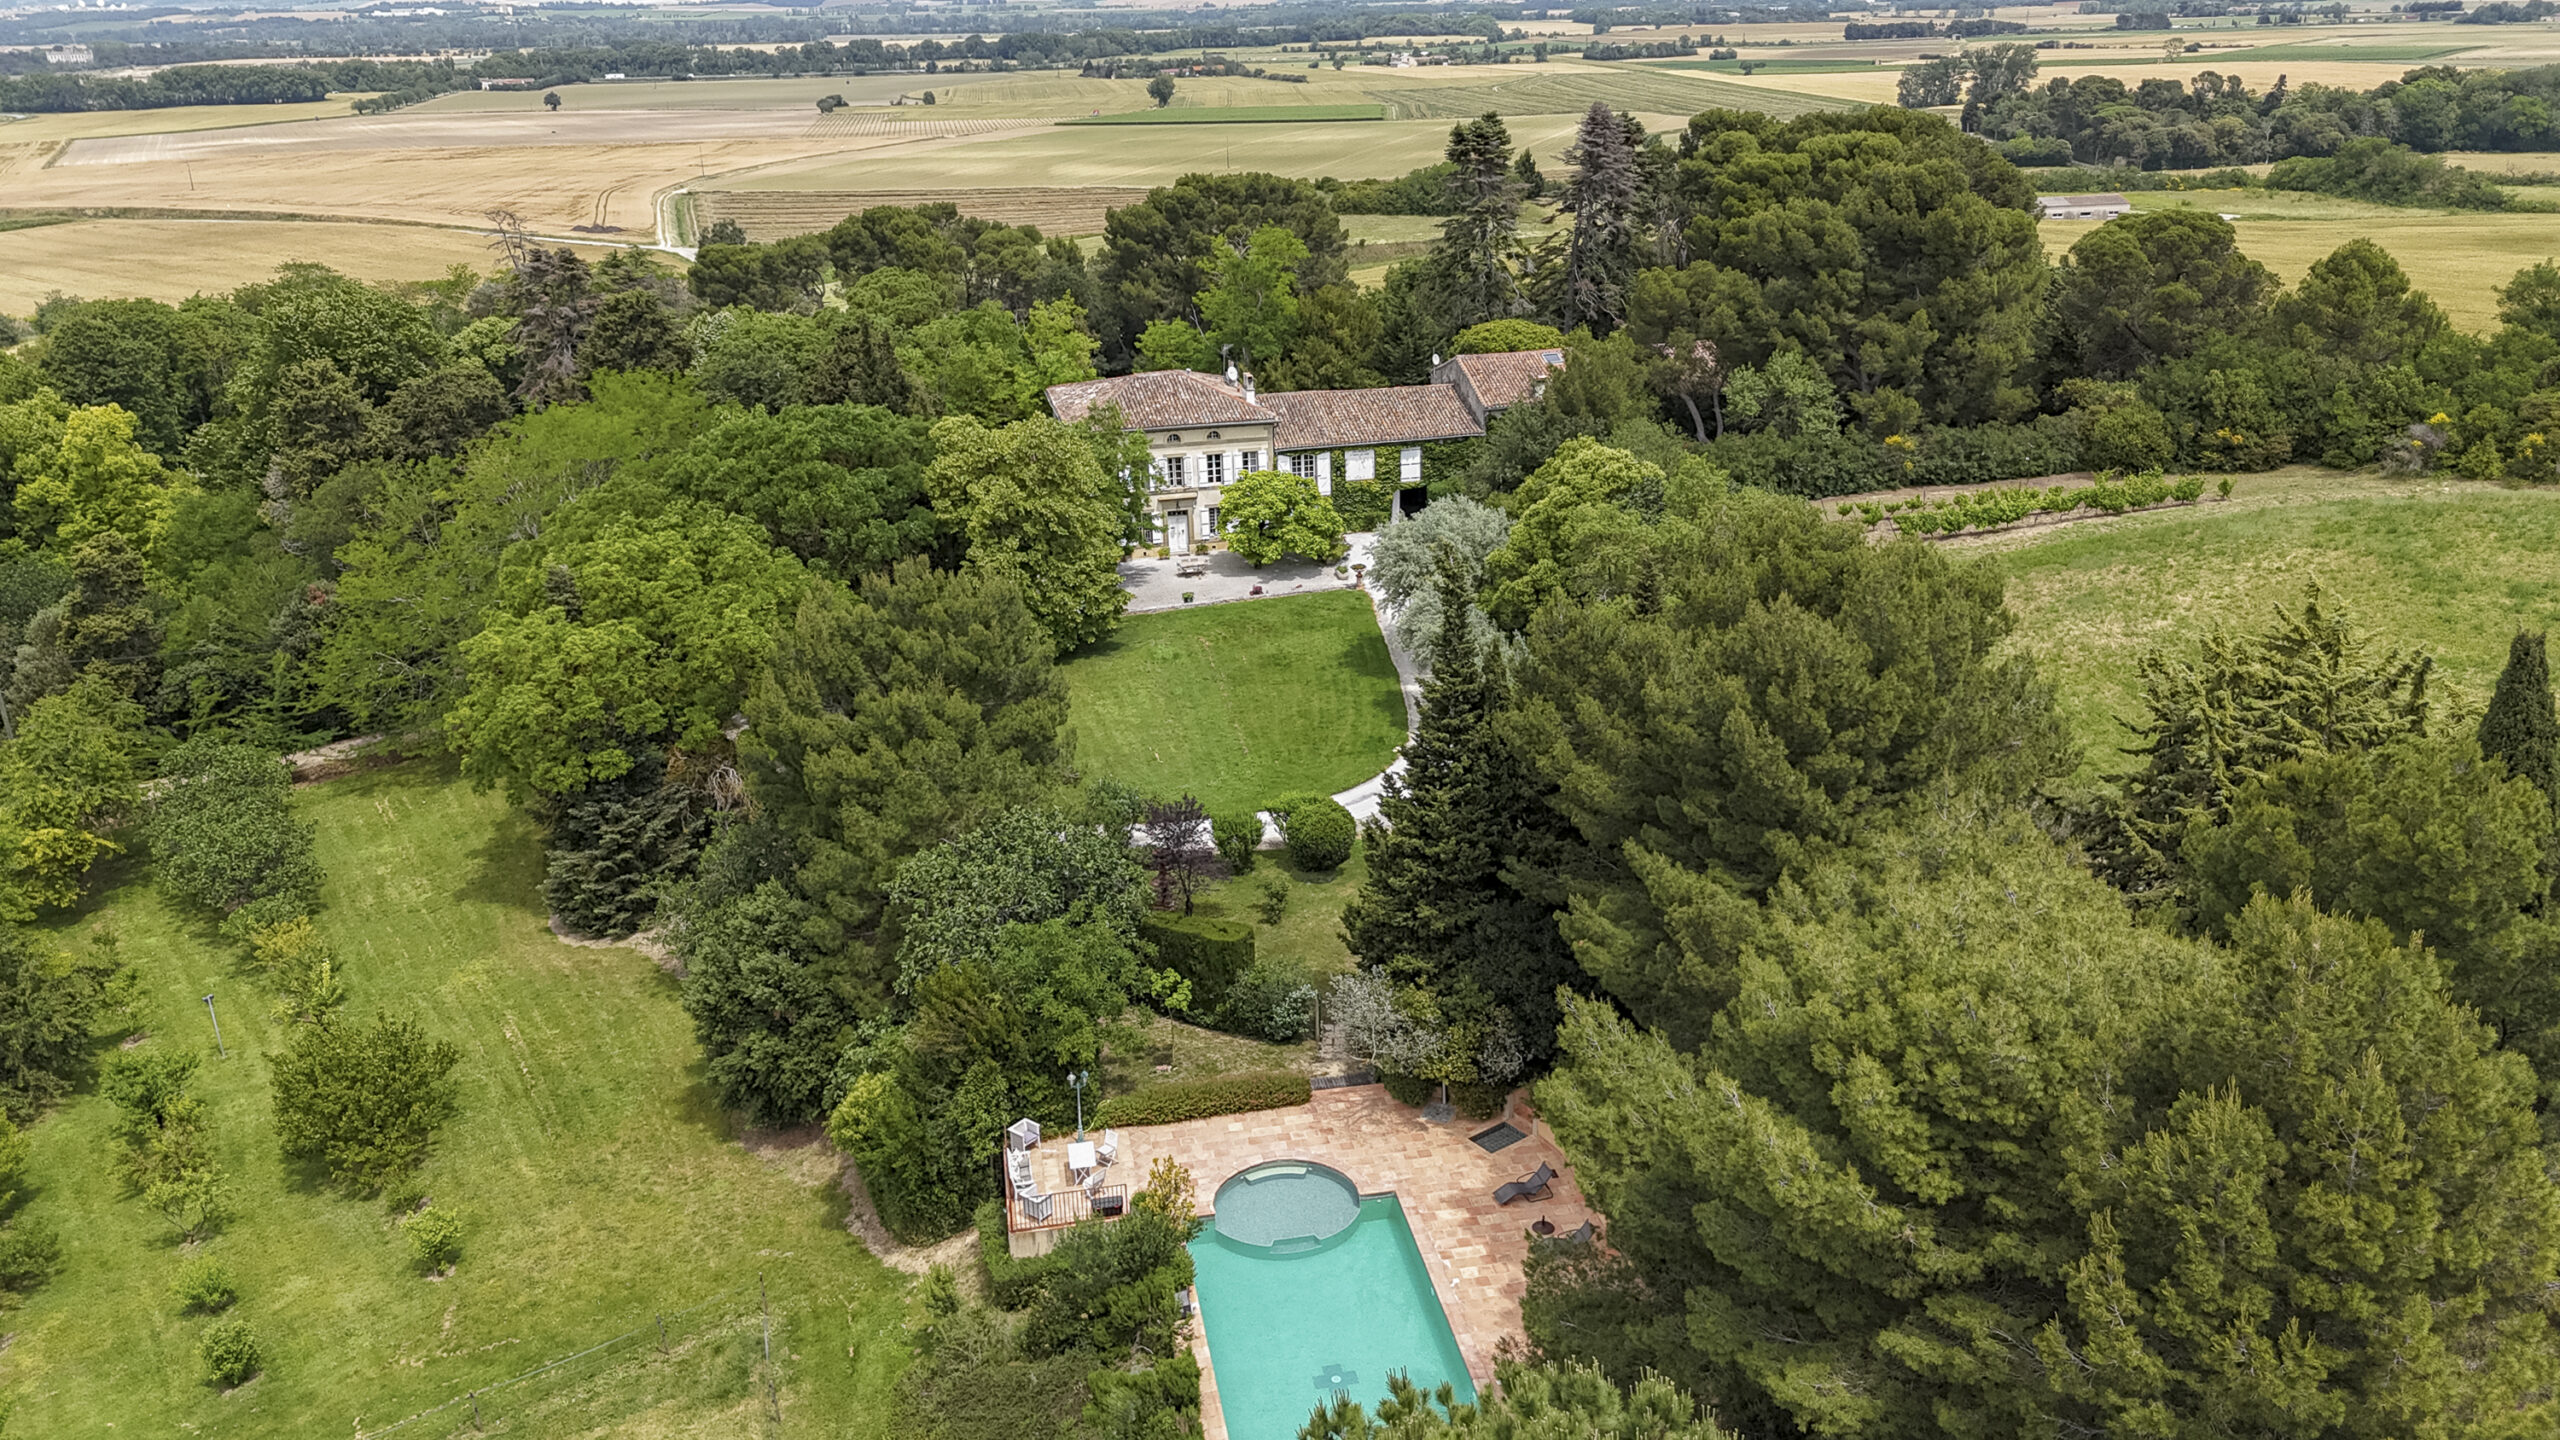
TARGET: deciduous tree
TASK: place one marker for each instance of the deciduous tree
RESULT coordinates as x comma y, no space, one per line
614,632
1271,513
223,831
364,1100
1037,509
68,779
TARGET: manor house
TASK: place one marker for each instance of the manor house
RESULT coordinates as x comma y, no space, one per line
1205,430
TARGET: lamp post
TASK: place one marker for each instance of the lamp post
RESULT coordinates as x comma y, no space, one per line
1076,1081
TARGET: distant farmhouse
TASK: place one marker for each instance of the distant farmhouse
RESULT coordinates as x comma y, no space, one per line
2083,207
1205,430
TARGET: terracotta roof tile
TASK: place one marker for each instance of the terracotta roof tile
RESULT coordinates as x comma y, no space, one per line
1159,400
1392,415
1509,377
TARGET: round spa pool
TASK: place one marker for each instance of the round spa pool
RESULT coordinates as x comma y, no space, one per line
1286,1205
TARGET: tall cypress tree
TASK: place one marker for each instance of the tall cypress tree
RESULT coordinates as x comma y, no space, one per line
2520,727
1439,911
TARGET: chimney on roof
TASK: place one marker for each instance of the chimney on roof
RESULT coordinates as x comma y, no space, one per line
1248,386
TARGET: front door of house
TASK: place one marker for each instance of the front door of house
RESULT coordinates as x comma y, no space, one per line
1177,531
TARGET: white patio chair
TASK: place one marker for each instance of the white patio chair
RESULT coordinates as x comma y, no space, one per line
1039,1207
1107,1149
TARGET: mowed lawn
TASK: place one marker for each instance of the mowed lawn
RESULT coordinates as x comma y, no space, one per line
597,1180
1240,704
2450,568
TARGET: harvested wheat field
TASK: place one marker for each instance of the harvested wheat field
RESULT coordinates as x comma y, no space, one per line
781,214
1148,155
697,95
173,259
84,124
551,187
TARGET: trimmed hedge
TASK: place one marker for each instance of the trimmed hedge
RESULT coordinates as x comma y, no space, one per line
1201,1099
1209,953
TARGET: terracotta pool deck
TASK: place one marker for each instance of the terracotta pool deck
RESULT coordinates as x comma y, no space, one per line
1474,1249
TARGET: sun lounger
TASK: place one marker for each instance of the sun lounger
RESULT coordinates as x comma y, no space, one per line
1584,1234
1527,1187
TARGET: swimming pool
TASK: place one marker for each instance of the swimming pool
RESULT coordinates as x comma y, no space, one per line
1306,1288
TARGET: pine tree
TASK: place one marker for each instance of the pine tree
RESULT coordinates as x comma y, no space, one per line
1478,245
1607,198
2237,708
2520,727
618,845
1439,911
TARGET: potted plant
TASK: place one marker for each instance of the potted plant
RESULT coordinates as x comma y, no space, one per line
1360,573
1186,597
1164,552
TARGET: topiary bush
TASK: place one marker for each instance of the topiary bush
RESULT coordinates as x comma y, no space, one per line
1319,831
229,1352
1200,1099
203,1284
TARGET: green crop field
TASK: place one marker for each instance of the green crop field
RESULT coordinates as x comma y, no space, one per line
1235,115
1769,67
2335,50
2448,567
1240,704
597,1180
1541,90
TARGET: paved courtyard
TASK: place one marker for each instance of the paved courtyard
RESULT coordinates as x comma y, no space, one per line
1153,584
1474,1249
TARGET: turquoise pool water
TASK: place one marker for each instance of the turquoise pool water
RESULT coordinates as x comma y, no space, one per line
1316,1291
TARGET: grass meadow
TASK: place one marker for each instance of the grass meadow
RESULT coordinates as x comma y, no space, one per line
598,1182
2460,260
1240,704
2452,568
